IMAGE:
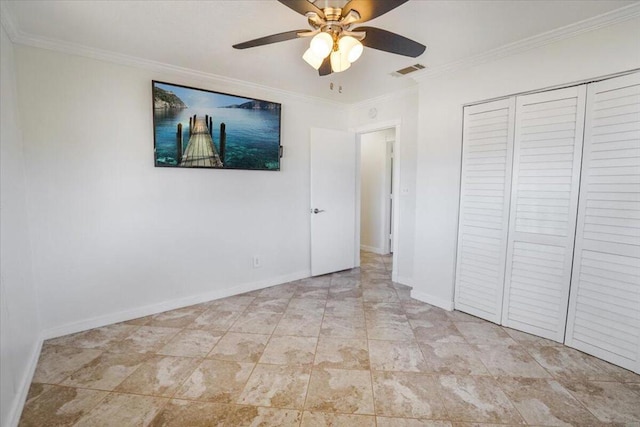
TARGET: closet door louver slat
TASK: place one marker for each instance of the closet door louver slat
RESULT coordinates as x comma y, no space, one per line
604,308
484,208
544,198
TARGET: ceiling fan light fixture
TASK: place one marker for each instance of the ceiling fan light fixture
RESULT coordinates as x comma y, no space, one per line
321,45
311,59
339,61
351,47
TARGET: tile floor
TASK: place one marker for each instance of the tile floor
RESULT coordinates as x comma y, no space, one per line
347,349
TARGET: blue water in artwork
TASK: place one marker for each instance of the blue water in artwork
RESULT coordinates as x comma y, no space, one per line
253,136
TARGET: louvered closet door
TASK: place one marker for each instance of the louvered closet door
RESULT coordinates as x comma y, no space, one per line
544,198
484,208
604,309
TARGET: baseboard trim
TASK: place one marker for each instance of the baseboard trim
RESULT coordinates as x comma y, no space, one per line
373,249
19,400
407,281
433,300
147,310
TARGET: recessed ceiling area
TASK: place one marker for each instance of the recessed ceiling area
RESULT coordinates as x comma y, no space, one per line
199,35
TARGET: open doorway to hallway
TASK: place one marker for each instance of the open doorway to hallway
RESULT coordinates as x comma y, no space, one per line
376,191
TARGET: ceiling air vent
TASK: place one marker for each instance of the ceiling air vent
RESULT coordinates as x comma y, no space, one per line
407,70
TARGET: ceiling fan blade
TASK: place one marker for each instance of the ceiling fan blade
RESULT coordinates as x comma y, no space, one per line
369,9
302,7
273,38
387,41
325,67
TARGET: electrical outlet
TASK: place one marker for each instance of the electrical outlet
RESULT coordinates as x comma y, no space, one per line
256,262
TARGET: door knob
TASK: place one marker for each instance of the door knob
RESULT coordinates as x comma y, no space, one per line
317,211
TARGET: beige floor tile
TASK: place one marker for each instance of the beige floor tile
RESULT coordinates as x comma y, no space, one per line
98,338
422,311
216,381
232,303
215,320
436,332
452,358
477,399
288,350
256,323
384,309
281,291
107,371
342,292
456,424
139,321
276,386
191,343
383,295
342,353
179,318
252,416
634,386
610,402
545,402
390,329
118,410
59,406
339,280
346,308
410,422
459,316
316,282
528,340
248,360
510,361
305,325
182,413
396,356
57,363
268,305
239,347
343,327
312,292
618,373
567,363
306,306
323,419
35,391
407,395
340,390
145,339
159,376
483,333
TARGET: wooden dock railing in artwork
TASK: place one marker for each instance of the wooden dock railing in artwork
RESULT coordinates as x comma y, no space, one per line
200,150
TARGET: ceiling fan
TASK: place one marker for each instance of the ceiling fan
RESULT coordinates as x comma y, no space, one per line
334,44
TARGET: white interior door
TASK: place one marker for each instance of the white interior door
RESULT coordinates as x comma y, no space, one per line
484,208
333,200
604,309
544,199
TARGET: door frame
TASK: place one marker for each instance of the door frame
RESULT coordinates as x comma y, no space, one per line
395,188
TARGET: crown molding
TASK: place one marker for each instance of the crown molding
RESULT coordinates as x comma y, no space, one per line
606,19
19,37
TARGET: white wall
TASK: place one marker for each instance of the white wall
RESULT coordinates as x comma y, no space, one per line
401,107
116,237
604,51
19,328
375,187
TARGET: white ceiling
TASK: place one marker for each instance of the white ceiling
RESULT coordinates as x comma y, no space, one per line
198,35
